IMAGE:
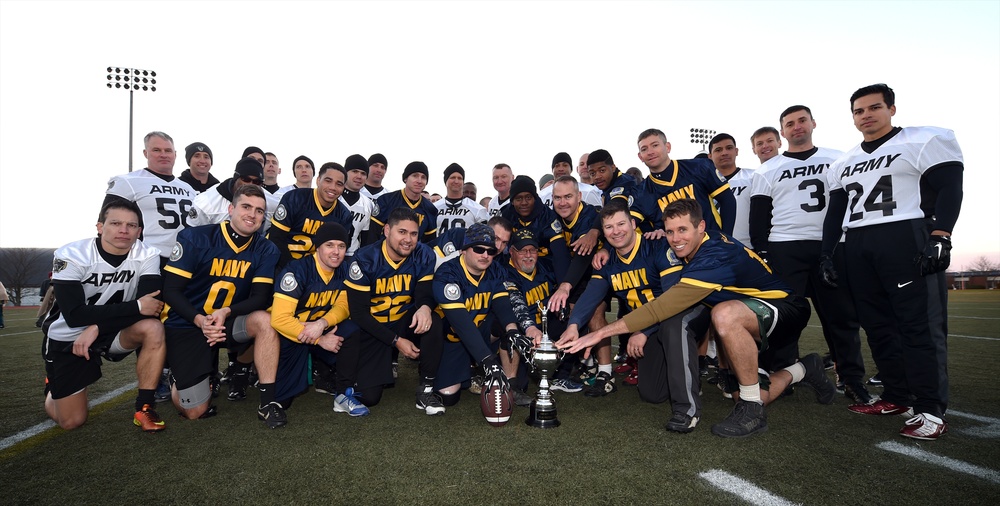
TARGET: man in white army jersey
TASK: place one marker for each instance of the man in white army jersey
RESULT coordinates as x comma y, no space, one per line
722,151
456,210
898,194
361,207
502,177
105,308
787,208
163,199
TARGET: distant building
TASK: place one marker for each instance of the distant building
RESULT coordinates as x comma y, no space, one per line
968,280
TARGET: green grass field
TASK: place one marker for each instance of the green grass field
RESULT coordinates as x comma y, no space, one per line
612,450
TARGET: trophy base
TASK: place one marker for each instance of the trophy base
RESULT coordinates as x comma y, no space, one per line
544,418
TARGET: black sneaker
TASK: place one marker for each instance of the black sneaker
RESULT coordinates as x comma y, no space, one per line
323,378
875,381
604,384
747,419
429,401
857,393
273,415
238,383
682,423
816,378
521,398
702,365
227,375
828,362
214,383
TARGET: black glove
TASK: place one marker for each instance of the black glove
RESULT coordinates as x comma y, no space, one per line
936,256
515,341
494,375
827,274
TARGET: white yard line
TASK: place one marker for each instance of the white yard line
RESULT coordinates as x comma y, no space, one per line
9,441
949,335
743,489
938,460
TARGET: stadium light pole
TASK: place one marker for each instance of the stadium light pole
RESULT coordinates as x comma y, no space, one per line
133,80
702,136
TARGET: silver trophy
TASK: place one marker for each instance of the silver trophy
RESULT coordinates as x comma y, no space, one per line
545,359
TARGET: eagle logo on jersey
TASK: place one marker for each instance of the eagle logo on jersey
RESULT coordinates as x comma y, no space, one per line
280,213
176,252
355,272
59,265
288,282
193,213
616,192
448,248
452,291
556,226
672,257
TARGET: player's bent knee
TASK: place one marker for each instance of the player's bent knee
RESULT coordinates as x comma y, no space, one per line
194,400
370,396
71,421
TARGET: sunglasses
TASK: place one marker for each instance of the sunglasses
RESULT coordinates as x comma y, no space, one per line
479,250
252,180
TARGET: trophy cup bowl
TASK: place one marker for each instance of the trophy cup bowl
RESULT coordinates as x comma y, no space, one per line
545,360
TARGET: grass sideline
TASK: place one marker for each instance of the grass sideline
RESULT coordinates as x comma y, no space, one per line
608,451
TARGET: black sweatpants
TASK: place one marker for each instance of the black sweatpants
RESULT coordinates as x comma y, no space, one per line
668,369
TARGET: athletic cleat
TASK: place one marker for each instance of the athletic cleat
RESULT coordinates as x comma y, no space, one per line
816,378
924,426
625,367
604,384
348,402
748,418
566,385
857,393
273,415
429,401
682,423
147,419
237,388
162,393
227,375
841,389
586,374
476,385
702,365
879,407
324,385
633,377
621,357
395,370
521,398
875,381
215,384
828,362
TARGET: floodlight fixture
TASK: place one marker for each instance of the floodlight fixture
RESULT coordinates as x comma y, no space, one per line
128,78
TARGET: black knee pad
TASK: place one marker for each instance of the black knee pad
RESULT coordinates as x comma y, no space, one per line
450,399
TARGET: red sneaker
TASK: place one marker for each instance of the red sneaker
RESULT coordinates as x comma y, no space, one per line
879,407
147,419
633,377
924,426
625,368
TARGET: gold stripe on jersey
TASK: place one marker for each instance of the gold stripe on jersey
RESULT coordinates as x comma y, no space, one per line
673,178
749,292
180,272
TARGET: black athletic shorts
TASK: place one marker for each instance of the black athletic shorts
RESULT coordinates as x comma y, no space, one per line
190,357
780,320
67,373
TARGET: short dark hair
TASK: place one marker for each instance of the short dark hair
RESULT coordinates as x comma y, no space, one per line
614,207
249,190
680,207
888,96
119,203
402,214
502,166
332,166
719,138
764,130
503,222
467,183
794,108
649,132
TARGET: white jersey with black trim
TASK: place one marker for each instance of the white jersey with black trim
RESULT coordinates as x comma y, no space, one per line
884,186
589,194
495,205
739,184
374,196
361,217
461,214
211,208
81,262
798,192
164,204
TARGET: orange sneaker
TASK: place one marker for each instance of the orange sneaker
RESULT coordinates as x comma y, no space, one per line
147,419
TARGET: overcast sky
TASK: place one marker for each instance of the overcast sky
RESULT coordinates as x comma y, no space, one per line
470,82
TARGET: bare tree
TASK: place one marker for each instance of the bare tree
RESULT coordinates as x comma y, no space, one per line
23,268
983,264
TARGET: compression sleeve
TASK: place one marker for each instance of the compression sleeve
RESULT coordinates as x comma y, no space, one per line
727,210
360,304
280,239
760,221
260,298
423,294
523,314
559,251
173,294
678,298
577,268
833,228
946,180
